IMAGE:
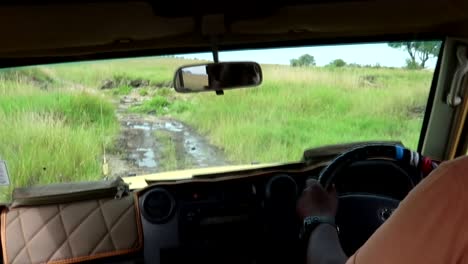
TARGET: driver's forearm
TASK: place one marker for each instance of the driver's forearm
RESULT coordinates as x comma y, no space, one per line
324,246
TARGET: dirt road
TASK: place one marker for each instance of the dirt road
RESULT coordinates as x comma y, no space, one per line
141,151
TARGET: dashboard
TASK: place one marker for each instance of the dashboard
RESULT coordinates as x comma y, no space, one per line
236,221
243,219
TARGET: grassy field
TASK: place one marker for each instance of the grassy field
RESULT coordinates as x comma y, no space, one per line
56,120
49,133
299,108
91,74
294,109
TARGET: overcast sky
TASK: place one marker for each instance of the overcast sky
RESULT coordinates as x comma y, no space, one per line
363,54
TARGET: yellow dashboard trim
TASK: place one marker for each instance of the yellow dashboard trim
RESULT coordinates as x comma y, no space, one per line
139,182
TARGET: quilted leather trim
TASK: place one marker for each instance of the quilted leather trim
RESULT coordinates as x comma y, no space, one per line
63,230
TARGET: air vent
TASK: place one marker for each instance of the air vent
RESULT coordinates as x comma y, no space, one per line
158,206
281,190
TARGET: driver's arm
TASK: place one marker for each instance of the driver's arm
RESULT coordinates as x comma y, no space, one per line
429,226
323,246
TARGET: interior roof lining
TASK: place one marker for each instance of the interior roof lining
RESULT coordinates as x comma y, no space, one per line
44,60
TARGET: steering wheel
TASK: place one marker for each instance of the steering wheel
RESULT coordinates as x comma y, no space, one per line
359,215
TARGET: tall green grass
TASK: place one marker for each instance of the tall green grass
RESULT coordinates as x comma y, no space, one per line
52,136
294,109
299,108
159,71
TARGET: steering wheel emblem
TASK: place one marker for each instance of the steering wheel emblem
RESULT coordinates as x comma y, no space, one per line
385,213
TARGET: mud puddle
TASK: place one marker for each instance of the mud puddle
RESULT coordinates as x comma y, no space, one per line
142,150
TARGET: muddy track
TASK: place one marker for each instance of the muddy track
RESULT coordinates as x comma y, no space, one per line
139,150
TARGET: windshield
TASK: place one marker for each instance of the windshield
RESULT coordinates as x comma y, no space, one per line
118,118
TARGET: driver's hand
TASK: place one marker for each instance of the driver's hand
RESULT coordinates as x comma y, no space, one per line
315,201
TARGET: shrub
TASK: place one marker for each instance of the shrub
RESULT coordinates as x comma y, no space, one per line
304,60
337,63
412,65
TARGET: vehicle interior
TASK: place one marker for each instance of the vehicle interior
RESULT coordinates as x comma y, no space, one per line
241,214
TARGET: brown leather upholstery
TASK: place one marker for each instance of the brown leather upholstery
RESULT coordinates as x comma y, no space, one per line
73,232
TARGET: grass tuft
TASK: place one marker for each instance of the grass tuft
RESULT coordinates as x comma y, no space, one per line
161,105
123,90
143,92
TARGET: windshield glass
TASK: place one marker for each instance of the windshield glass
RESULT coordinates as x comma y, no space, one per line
92,120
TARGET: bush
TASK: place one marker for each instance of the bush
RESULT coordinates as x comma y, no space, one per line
412,65
304,60
337,63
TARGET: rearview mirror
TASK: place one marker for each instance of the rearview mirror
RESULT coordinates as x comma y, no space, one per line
217,76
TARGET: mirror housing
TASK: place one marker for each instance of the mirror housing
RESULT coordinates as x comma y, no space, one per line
217,77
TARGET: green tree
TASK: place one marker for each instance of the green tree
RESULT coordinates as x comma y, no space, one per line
337,63
419,51
304,60
294,62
